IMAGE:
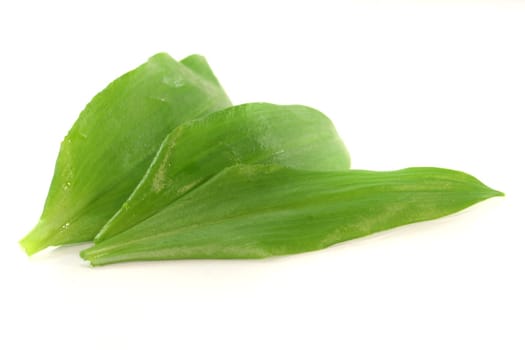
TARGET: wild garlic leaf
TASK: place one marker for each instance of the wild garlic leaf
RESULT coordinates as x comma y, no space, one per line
110,146
256,211
259,133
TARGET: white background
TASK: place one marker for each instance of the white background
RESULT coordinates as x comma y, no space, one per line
407,84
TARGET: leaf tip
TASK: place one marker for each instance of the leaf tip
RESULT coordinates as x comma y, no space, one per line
489,192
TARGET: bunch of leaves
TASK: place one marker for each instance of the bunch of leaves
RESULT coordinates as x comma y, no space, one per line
159,165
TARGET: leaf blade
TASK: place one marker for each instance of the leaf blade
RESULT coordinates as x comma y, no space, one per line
260,211
97,168
256,133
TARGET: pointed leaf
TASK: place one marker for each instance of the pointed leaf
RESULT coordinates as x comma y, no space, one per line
258,211
110,146
293,136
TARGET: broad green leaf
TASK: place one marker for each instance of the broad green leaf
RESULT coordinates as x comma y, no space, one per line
292,136
256,211
115,138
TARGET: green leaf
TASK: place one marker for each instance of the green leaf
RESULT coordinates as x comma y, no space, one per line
256,211
293,136
115,138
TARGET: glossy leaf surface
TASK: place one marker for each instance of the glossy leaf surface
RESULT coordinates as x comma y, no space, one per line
113,142
256,211
257,133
